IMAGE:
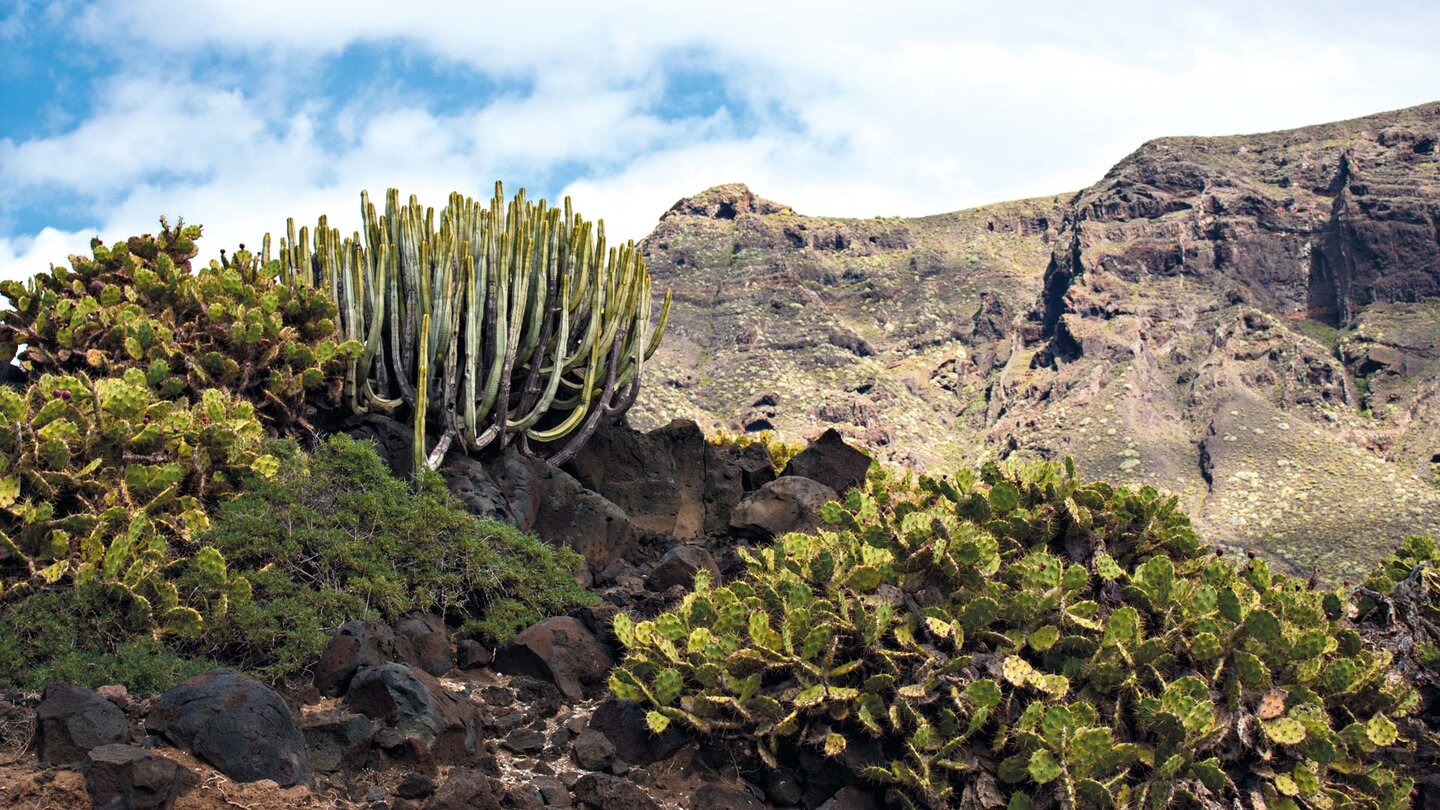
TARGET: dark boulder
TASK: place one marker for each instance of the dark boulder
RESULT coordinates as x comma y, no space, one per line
425,634
560,510
471,484
678,567
392,440
338,741
790,503
718,797
561,650
622,722
471,654
670,481
592,750
71,720
604,792
408,702
123,777
830,461
469,789
756,466
415,786
237,724
359,643
850,798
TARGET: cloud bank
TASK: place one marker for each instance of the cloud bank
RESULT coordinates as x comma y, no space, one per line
237,115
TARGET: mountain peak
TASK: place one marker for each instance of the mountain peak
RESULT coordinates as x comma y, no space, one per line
725,201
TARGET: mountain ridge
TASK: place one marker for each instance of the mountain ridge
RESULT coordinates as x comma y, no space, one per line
1204,289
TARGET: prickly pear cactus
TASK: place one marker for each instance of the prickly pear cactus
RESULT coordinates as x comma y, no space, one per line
104,482
138,304
1018,633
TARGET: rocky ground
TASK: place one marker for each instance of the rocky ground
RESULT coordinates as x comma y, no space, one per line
1252,322
401,717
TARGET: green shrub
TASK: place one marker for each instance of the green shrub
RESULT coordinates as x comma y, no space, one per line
83,636
1022,631
334,536
138,305
1402,598
104,482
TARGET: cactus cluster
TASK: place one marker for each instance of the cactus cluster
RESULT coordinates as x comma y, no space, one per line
493,323
138,305
1018,635
105,482
1400,602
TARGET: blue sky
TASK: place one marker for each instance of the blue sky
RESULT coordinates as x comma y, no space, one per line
237,115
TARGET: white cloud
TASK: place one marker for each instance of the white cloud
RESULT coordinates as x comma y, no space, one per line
849,109
26,256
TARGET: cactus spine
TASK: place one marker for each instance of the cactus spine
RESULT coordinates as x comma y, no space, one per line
506,323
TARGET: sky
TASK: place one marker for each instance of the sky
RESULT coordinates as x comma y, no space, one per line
238,115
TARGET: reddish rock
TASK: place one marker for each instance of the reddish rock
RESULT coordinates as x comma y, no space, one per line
561,650
359,643
678,567
123,777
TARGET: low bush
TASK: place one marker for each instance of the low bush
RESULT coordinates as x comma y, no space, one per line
334,536
83,636
1020,634
781,451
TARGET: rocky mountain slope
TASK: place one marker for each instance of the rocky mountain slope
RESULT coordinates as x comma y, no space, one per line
1251,321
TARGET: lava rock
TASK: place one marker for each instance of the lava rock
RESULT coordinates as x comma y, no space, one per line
561,650
525,741
123,777
850,798
425,634
469,789
790,503
756,465
409,702
471,484
235,723
717,797
830,461
337,741
592,750
471,654
678,567
359,643
622,722
559,509
552,791
605,792
639,473
782,788
71,720
415,786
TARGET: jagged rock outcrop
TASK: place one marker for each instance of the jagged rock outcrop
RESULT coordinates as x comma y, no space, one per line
1250,321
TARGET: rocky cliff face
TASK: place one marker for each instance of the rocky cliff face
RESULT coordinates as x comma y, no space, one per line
887,328
1251,321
